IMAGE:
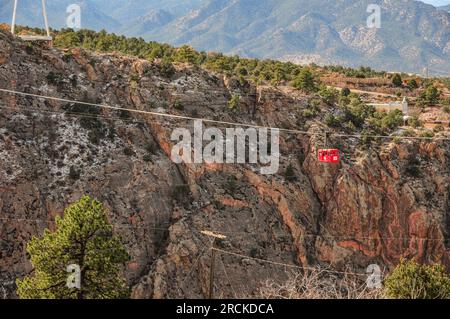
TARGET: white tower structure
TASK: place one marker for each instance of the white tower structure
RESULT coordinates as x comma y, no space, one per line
32,37
405,107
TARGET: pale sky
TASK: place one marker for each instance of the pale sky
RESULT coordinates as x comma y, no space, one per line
437,2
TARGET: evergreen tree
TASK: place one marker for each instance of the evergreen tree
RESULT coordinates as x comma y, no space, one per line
412,84
305,81
397,80
431,94
84,238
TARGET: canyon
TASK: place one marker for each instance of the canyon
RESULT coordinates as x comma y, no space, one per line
380,204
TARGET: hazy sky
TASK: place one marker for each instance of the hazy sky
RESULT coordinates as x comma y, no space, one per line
437,2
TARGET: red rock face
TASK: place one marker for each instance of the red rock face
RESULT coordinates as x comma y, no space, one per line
379,211
371,208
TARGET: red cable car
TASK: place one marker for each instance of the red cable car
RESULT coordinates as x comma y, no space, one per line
329,155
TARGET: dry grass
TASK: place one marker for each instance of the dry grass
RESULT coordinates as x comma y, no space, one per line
320,284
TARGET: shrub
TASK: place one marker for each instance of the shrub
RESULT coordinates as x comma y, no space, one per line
73,173
357,112
329,95
186,54
415,122
147,158
151,148
390,120
177,105
410,280
166,68
233,104
29,48
446,108
231,185
331,120
345,92
412,167
289,174
438,128
431,94
134,78
128,151
412,84
308,113
305,81
180,193
366,138
408,133
53,78
397,80
427,133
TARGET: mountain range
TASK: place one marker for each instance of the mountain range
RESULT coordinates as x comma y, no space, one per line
413,35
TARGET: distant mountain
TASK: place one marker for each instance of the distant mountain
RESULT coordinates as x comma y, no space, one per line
154,19
128,12
132,17
413,35
445,8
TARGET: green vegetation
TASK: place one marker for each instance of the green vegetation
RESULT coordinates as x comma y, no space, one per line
345,92
231,185
166,67
177,105
181,194
254,70
353,113
410,280
128,151
412,84
427,134
305,81
233,104
438,128
329,95
446,107
147,158
74,173
83,237
412,167
415,122
89,118
387,121
429,96
53,78
289,174
362,72
397,80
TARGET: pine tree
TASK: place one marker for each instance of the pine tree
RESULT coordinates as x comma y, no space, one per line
83,237
397,80
305,81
